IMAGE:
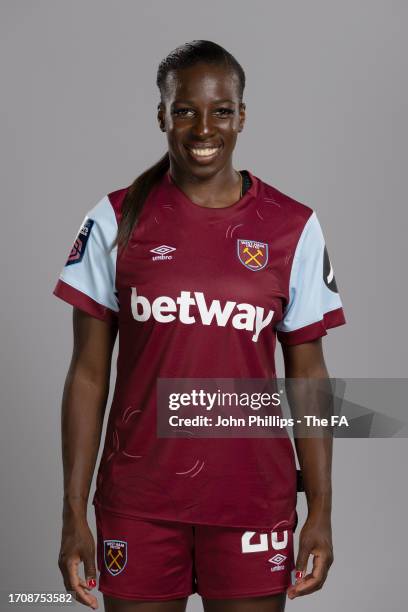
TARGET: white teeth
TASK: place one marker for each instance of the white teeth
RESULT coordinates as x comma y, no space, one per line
204,152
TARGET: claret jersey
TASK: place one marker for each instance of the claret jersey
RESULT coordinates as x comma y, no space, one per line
200,293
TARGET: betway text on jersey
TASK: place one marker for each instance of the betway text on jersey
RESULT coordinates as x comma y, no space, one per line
243,316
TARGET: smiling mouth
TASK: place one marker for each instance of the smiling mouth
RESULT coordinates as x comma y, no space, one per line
204,153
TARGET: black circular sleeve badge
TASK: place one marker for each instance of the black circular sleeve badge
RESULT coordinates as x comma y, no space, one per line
328,274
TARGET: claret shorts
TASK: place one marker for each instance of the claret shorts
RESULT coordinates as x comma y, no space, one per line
157,560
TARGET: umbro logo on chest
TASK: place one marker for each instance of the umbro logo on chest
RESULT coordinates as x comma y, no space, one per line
162,253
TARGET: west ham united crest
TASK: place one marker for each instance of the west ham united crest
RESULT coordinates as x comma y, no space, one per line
115,556
252,254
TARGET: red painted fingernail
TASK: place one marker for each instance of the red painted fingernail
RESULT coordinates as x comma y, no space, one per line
299,574
91,583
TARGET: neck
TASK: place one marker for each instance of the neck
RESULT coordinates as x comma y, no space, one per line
215,191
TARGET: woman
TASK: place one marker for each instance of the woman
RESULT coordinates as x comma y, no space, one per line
198,266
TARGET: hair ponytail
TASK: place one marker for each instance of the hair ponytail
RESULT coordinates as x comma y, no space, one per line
136,197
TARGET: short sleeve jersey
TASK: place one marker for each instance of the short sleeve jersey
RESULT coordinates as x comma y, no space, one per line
200,293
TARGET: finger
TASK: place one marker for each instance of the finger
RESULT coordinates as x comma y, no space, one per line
88,584
313,581
75,582
90,571
69,583
300,568
298,577
303,558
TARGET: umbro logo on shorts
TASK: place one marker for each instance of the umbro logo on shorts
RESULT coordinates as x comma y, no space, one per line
161,253
115,556
254,542
277,560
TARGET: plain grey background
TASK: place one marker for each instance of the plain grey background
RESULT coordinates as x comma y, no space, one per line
326,123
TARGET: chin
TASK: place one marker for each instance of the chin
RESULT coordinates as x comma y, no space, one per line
204,170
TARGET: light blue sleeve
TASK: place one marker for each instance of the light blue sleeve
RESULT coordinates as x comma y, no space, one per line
88,277
314,302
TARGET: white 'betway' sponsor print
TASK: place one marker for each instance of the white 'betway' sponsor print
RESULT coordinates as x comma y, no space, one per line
248,317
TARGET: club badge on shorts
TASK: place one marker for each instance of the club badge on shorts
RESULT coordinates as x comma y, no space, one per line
252,254
115,556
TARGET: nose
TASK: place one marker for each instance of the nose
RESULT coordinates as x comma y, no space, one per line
203,125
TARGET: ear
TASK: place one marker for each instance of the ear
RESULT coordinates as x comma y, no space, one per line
160,116
242,109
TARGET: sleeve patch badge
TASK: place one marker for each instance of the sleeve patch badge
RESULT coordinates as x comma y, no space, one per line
115,556
79,246
328,274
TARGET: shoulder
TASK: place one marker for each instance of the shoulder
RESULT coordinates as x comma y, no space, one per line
107,211
101,221
288,207
116,199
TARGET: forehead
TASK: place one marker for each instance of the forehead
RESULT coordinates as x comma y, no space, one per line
202,82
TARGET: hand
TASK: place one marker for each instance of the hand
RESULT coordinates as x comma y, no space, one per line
77,544
315,539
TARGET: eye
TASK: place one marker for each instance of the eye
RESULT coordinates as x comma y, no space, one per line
224,111
182,112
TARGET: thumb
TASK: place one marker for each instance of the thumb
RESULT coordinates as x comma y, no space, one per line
90,572
301,561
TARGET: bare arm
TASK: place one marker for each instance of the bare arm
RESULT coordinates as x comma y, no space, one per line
314,454
315,460
83,407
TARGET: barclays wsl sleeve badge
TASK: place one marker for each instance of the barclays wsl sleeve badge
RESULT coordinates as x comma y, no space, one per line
252,254
79,246
115,556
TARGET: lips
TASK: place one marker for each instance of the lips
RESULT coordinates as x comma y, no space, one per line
202,152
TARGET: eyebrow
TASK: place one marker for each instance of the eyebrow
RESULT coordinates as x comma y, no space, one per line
192,103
